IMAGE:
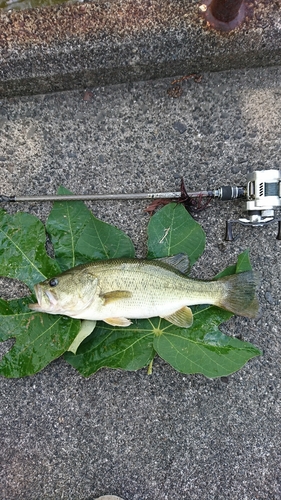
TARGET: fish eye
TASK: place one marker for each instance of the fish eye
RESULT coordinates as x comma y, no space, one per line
54,282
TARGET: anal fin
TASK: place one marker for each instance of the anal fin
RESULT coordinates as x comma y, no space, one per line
183,317
118,321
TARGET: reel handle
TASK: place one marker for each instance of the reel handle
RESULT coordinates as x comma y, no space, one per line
229,233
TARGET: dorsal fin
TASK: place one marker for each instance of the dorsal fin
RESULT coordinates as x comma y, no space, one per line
180,261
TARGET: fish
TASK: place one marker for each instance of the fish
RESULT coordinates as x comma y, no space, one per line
117,291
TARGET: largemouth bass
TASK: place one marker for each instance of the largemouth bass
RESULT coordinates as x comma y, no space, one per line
119,290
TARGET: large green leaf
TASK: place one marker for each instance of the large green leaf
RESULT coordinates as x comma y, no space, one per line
39,338
22,249
79,237
128,348
203,348
172,230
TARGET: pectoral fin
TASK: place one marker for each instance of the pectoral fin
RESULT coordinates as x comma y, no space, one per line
183,317
118,321
109,297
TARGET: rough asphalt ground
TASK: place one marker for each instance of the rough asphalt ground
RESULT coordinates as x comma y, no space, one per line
168,435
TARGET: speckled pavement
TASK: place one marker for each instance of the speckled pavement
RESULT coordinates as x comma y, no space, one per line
168,435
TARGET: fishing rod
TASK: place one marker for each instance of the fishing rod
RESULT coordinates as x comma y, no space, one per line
262,194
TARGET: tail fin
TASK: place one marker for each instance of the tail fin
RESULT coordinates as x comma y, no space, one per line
239,293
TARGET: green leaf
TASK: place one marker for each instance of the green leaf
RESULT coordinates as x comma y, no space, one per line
172,230
22,249
79,237
243,262
39,338
128,348
203,348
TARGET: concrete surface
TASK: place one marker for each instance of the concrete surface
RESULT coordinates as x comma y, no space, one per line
114,41
165,436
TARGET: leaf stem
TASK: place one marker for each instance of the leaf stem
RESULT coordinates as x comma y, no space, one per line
149,368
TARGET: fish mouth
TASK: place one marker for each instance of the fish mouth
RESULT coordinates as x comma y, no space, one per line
38,293
51,298
46,301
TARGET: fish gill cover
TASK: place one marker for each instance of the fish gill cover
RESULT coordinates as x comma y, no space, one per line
79,237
